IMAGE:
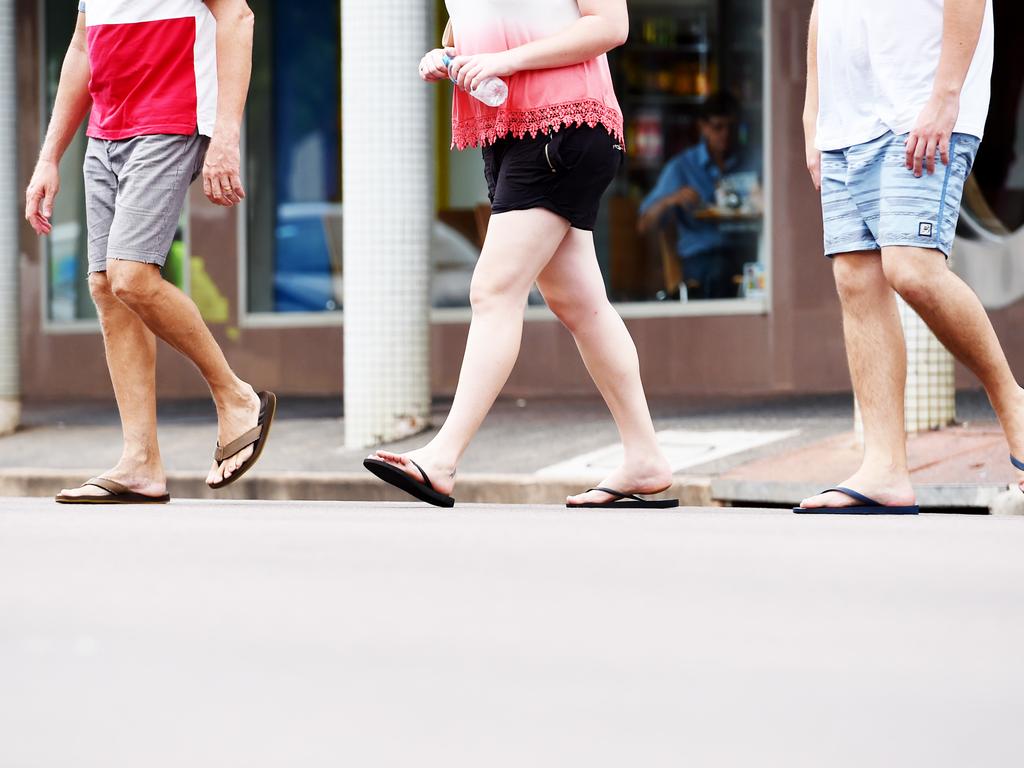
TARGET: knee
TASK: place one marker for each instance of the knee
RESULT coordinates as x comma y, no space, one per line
858,278
131,283
494,294
573,313
99,289
917,286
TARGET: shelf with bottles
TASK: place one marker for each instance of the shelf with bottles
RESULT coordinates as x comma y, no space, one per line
693,49
680,81
670,29
668,99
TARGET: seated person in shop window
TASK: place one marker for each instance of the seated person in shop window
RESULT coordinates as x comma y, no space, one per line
713,252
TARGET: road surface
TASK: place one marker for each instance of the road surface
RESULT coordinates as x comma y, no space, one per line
332,634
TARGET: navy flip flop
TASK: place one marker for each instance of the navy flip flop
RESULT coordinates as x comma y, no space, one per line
1017,462
626,500
867,506
424,491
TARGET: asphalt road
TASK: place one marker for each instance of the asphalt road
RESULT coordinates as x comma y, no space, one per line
306,635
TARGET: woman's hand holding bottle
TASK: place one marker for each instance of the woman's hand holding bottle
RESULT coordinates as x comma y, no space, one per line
433,66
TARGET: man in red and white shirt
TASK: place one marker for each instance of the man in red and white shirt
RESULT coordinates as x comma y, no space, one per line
166,81
130,96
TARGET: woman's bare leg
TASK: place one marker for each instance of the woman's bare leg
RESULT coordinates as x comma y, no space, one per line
574,290
519,245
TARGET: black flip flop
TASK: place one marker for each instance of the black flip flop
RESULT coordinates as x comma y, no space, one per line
256,437
626,501
115,494
424,491
867,506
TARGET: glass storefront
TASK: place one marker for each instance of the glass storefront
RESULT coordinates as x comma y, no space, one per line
685,217
994,197
689,79
66,255
66,249
690,83
293,155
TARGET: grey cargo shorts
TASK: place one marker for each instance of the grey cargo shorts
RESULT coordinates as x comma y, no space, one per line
134,192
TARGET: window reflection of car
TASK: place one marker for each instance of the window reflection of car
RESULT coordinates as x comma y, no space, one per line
66,253
309,266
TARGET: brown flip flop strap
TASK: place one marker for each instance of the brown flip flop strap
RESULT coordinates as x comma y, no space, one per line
110,486
239,445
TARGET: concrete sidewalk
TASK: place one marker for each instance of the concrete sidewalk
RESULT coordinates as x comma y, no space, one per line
965,467
538,451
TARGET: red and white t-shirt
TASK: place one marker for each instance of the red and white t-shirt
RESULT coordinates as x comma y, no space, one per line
154,67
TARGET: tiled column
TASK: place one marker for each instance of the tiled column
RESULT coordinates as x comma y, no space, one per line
388,185
931,388
10,408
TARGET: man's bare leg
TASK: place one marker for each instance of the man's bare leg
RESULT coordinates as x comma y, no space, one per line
956,316
131,357
878,367
174,317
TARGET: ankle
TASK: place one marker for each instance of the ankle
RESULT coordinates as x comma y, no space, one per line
141,460
232,394
647,462
1006,401
441,454
885,467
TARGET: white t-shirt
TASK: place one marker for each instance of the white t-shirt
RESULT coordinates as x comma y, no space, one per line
876,68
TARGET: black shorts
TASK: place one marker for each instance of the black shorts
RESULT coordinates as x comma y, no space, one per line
564,171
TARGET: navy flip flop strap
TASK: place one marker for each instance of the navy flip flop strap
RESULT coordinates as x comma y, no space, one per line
867,501
1017,463
618,495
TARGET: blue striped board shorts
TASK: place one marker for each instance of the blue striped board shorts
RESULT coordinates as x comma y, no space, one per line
870,200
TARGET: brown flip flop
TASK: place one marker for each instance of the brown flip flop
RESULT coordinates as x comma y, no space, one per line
116,494
256,437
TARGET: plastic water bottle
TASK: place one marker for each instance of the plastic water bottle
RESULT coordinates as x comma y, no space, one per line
493,91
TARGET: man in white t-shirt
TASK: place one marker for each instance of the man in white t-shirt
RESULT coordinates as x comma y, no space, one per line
897,99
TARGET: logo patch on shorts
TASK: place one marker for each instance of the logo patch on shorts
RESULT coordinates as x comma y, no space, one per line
925,229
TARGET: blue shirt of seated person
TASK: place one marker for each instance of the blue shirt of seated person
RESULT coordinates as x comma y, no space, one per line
688,182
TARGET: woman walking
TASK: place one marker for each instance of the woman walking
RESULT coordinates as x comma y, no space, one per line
550,151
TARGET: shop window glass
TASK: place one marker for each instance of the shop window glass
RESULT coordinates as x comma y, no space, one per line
66,249
685,217
684,61
293,149
994,196
682,57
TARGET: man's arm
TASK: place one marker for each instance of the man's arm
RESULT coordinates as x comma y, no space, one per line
603,25
69,110
811,101
670,192
961,31
222,175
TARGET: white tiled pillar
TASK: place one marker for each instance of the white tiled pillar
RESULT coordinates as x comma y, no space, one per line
931,388
10,404
388,193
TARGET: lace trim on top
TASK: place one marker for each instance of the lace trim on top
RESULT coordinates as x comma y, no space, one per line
487,128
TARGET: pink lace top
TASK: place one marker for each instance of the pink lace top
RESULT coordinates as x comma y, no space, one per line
539,100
